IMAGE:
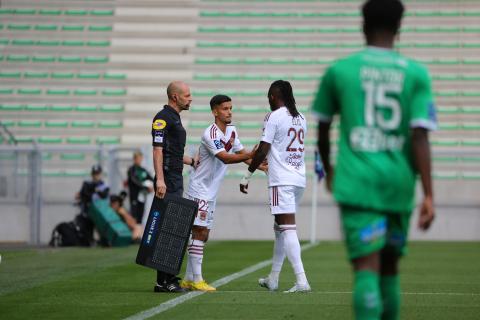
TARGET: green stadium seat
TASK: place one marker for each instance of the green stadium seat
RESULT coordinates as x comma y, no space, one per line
43,59
88,75
108,140
24,139
73,43
78,140
46,27
83,124
70,59
101,12
86,108
4,41
85,92
114,76
61,108
25,11
29,124
111,108
5,11
35,74
72,156
7,90
23,42
36,108
48,43
56,124
96,59
10,74
58,92
100,28
73,28
16,26
7,123
18,58
110,124
98,43
29,91
11,107
50,140
61,75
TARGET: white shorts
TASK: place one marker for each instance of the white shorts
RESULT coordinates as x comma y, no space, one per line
285,199
204,216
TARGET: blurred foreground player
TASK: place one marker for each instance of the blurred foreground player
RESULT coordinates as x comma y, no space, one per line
282,141
385,105
220,146
168,140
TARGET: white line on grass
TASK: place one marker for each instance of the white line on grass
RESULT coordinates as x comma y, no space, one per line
220,282
350,292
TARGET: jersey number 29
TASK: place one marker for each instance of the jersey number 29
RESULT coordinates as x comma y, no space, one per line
300,135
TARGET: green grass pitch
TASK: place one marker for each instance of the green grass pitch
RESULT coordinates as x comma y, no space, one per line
440,280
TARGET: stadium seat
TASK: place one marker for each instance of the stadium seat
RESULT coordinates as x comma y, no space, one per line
110,124
56,124
108,140
72,156
78,140
29,124
50,140
82,124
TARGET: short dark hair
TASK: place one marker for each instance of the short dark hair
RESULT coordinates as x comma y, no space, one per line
383,15
218,100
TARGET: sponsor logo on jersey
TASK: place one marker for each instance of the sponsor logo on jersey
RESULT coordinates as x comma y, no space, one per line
218,144
373,232
158,138
152,228
159,124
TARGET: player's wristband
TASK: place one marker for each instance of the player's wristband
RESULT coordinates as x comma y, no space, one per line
246,178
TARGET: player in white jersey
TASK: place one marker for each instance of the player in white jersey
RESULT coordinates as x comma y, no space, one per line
282,143
219,146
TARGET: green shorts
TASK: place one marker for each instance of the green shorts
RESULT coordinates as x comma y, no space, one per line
367,231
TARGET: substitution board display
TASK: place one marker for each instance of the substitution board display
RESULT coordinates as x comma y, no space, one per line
166,234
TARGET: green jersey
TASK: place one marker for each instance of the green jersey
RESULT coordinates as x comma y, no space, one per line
379,96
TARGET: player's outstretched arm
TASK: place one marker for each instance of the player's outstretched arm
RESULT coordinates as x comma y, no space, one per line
260,155
421,155
323,144
238,157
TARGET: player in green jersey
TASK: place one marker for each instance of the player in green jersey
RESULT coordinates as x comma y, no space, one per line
386,109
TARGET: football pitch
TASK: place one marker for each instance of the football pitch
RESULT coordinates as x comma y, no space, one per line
440,280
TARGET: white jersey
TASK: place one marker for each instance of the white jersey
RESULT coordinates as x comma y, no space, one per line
205,180
286,159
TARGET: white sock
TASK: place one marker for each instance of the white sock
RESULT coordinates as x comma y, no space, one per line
293,251
195,257
278,254
188,272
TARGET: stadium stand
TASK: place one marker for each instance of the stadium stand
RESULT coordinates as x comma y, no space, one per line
88,72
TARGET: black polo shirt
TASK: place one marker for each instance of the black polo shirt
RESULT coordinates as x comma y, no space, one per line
168,133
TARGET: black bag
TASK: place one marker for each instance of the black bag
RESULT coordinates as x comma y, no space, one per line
72,234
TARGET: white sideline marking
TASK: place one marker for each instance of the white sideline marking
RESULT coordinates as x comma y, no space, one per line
220,282
350,292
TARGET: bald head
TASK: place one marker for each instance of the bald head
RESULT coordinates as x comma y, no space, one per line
179,96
